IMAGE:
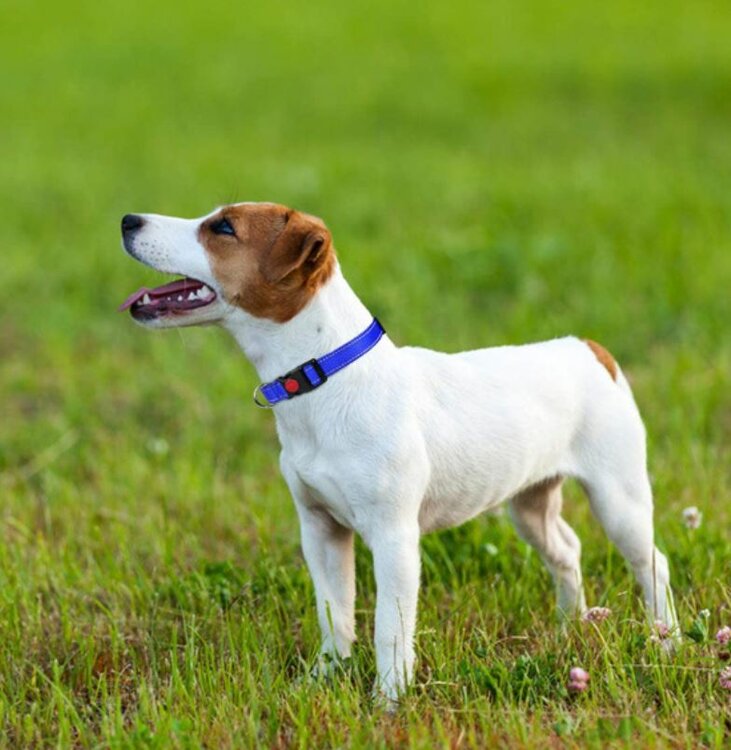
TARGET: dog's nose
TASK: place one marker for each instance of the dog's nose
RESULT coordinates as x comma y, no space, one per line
130,222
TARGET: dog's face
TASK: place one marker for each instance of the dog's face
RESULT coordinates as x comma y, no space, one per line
266,259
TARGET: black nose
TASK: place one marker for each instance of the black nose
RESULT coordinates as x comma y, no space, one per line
130,222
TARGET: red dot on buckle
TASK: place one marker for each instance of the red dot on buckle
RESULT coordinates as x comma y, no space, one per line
291,385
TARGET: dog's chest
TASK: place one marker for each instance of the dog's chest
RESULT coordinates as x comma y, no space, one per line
351,476
327,489
338,463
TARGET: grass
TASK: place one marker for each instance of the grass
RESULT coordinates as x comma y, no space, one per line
492,173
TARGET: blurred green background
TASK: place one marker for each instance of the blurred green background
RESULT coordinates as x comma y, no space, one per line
492,172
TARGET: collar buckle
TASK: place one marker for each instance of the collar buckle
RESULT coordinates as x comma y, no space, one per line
303,379
313,373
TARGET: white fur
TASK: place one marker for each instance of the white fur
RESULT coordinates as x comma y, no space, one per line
408,440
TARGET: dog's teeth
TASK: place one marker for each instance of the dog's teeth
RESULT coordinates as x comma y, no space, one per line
192,296
180,298
146,300
205,292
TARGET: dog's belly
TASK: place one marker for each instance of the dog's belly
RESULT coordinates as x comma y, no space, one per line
461,489
448,510
473,474
455,498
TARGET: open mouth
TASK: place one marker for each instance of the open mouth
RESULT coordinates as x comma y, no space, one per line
175,298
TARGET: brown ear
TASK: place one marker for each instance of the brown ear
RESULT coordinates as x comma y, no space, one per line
304,240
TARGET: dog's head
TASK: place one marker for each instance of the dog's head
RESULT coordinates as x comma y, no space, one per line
266,259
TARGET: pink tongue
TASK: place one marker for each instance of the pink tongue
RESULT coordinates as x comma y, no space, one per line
179,285
139,294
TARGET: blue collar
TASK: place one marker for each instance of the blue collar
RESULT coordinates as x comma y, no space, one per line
312,374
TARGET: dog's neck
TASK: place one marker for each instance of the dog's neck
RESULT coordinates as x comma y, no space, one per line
331,318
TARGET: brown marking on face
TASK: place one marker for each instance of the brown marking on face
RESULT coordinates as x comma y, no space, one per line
275,264
604,357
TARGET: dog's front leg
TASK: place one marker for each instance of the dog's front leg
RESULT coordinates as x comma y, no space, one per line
329,553
396,562
330,557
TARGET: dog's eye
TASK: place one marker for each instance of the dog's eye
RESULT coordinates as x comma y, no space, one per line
223,226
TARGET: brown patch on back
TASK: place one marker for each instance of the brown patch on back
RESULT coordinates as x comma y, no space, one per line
275,264
604,357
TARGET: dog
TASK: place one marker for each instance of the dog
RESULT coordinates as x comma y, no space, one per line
397,442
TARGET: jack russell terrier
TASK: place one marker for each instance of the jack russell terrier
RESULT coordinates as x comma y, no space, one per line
394,442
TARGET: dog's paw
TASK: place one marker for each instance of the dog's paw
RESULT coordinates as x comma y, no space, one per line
387,702
667,637
328,666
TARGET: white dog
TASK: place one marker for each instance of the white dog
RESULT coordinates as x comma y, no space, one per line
394,442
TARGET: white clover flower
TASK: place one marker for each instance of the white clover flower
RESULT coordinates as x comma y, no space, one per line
158,446
692,517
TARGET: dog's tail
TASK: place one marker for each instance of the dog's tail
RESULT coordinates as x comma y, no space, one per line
607,361
623,383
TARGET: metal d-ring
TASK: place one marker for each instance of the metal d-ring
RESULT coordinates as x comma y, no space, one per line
257,392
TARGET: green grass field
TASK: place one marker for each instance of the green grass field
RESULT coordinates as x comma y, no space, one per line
492,173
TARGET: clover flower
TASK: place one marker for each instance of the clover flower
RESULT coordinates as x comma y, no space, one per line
724,635
660,632
596,614
158,446
578,680
725,678
692,517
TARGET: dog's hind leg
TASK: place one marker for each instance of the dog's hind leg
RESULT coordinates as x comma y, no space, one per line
613,461
536,513
624,509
